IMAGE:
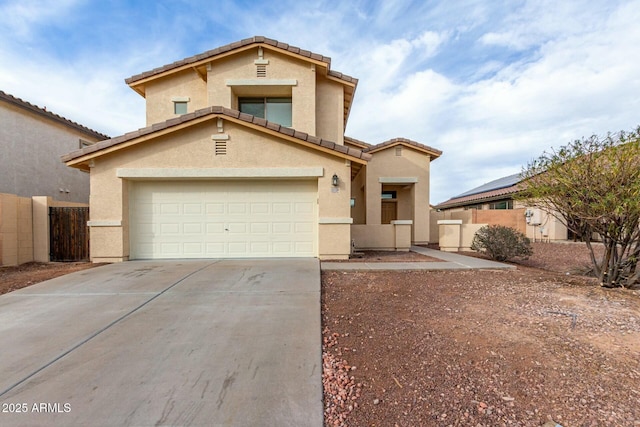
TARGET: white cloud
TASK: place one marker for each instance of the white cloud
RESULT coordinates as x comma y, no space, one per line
19,17
491,83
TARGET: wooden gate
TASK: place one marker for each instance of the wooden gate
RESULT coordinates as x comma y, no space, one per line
68,234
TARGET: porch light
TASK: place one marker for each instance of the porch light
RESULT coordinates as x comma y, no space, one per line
334,180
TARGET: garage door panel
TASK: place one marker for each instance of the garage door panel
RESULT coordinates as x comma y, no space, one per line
215,248
192,248
170,209
192,209
237,208
193,228
303,208
214,228
260,228
214,208
170,228
260,208
302,227
237,228
282,228
223,219
281,208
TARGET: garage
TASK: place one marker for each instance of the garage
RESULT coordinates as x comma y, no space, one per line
223,219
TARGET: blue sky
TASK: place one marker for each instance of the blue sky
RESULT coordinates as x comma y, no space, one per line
491,83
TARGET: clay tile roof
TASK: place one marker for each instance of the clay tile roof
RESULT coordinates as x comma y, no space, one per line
238,45
349,140
395,141
52,116
220,111
493,190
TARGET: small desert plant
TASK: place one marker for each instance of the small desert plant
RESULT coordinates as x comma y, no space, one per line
501,243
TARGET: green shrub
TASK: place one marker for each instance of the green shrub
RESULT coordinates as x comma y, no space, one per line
501,243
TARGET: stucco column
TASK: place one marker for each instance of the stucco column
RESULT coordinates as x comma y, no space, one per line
402,229
374,201
450,234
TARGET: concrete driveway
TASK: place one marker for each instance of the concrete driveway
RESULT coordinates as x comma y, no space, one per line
206,342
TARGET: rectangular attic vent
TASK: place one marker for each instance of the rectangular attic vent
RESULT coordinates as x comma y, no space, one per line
261,70
221,148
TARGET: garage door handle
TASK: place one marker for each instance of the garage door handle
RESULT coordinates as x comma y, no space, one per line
226,229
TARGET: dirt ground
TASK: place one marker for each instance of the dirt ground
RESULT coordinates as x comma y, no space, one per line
481,348
12,278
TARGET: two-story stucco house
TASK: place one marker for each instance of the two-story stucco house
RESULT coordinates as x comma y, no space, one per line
32,140
245,156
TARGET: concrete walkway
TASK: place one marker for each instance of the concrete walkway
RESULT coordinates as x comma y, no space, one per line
182,342
451,261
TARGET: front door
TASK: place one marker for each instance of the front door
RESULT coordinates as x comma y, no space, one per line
389,211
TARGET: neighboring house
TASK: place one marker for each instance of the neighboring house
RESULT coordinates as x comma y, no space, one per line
245,156
494,203
32,140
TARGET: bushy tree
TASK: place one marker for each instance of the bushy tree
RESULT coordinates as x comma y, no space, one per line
501,243
594,186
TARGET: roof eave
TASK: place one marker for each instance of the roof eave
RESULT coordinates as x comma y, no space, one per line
140,79
434,154
451,205
80,158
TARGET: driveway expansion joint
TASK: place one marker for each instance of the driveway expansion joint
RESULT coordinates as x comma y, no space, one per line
100,331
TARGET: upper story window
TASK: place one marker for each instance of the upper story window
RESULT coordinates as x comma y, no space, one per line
180,104
179,107
276,110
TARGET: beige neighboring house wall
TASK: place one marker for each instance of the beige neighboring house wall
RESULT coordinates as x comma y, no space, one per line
479,207
227,155
32,140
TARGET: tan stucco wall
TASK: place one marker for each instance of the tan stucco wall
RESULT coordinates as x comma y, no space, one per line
466,216
16,235
412,163
159,94
329,110
467,233
281,67
317,102
380,236
31,146
193,148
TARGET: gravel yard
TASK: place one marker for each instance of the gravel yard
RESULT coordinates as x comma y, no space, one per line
481,348
20,276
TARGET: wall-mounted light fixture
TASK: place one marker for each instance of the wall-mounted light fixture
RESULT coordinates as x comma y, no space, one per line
334,180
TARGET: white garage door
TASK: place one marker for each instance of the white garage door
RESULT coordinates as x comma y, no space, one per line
226,219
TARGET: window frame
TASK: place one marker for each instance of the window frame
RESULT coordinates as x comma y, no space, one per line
264,114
